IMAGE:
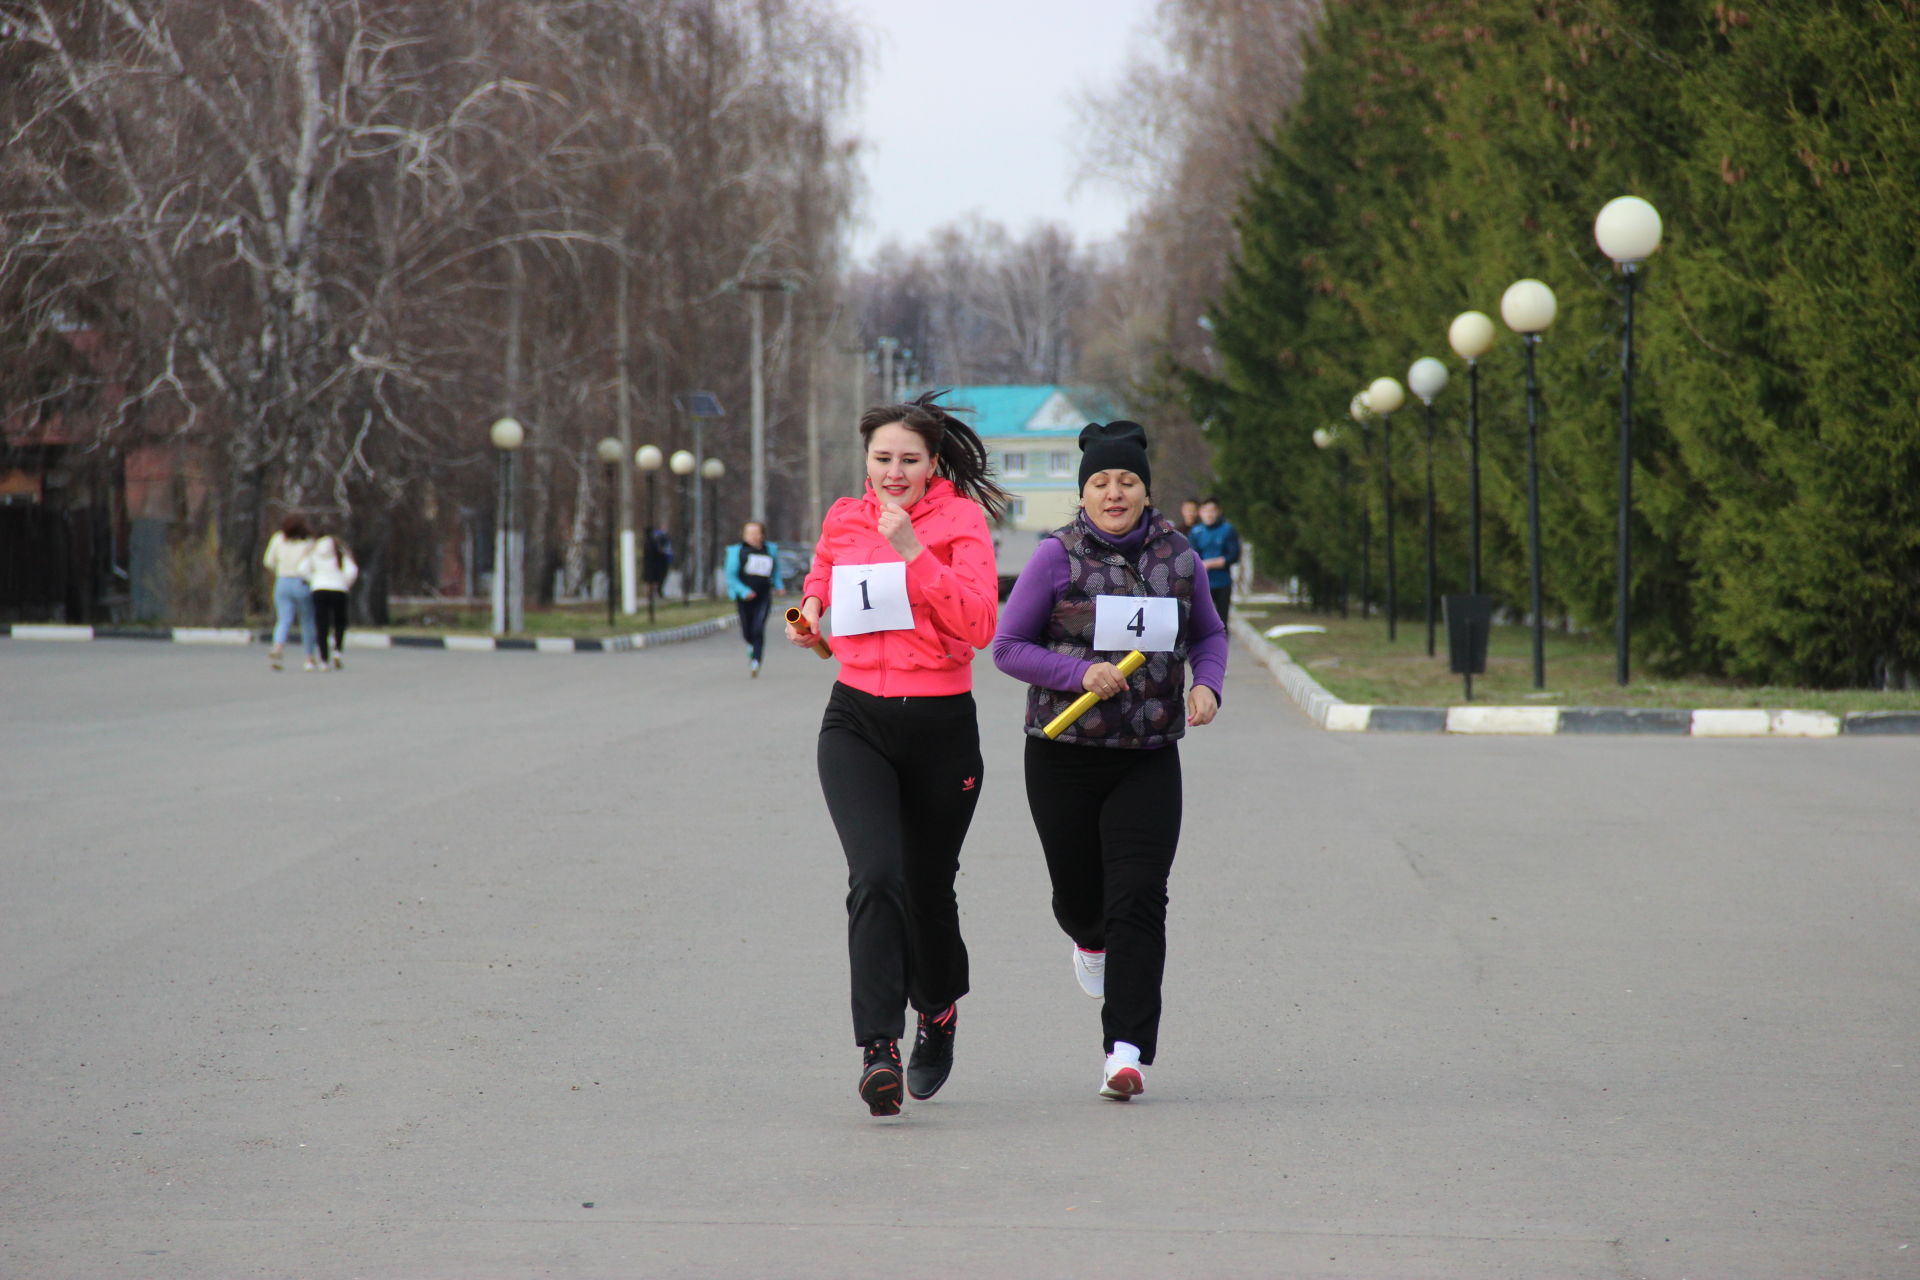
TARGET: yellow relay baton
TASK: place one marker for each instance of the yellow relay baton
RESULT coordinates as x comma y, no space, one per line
797,619
1084,703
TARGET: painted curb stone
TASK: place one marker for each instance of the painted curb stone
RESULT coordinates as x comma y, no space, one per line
1625,720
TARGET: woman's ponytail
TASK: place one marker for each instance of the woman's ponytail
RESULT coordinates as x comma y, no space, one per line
961,455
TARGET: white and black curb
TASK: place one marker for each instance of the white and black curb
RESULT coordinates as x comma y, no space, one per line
380,639
1333,713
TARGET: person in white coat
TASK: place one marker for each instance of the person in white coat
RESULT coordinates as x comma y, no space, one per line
334,574
289,558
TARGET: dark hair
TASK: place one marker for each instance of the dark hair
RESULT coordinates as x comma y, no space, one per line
1209,501
957,452
295,526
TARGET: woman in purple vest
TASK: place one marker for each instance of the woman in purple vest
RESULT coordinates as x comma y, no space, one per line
1106,794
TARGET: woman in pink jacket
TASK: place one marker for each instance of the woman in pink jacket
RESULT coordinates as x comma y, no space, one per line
905,575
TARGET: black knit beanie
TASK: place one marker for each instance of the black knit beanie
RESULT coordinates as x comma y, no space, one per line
1105,446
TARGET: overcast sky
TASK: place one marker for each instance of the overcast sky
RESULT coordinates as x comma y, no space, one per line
967,107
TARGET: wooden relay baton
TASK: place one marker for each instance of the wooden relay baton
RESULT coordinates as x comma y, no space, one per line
1084,703
795,618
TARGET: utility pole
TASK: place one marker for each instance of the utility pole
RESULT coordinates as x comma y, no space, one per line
813,442
757,443
623,401
756,375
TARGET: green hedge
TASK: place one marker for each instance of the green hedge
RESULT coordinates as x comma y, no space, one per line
1441,151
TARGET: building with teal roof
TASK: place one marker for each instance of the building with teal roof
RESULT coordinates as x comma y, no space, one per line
1032,435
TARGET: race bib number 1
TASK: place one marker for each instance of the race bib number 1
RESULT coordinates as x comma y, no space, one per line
1150,624
870,597
757,566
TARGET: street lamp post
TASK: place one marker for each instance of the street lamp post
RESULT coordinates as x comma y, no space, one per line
649,459
1528,307
682,465
1327,438
1471,336
699,406
610,452
1428,378
1383,397
506,435
1357,410
1628,231
710,471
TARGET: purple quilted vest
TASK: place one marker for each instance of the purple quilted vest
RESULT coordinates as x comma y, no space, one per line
1153,710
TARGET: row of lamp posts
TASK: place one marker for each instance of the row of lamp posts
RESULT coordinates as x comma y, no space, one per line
509,588
1628,231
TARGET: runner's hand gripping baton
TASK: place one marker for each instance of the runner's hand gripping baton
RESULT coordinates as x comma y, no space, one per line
1084,703
795,618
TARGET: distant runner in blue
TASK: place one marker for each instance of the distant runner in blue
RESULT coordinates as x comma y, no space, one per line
1217,544
753,575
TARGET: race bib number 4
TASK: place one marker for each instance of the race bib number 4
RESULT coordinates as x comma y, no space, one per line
1150,624
757,566
870,597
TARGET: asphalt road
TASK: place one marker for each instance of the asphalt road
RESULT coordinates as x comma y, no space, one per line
507,965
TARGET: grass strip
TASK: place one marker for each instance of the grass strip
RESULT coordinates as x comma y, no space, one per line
1355,661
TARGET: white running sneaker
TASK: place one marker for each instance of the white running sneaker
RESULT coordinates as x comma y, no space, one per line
1090,967
1121,1079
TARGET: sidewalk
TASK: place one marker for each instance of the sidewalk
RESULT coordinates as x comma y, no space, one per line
361,639
1330,712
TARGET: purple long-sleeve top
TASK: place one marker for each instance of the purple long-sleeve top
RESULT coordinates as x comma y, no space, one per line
1023,620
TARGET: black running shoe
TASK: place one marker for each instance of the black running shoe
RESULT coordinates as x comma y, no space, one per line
932,1053
880,1078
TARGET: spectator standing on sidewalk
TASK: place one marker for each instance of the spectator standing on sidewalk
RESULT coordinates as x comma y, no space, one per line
1218,545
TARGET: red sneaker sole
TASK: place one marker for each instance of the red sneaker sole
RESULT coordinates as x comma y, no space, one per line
1124,1085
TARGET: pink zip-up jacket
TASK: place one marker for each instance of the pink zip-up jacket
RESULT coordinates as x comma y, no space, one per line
950,585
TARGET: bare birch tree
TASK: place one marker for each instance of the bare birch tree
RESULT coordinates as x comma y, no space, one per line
309,223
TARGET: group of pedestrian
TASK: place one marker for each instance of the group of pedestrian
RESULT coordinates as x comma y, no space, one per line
1110,607
1217,544
312,573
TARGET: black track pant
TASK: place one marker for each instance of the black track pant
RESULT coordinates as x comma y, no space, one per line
753,623
1109,820
330,619
901,777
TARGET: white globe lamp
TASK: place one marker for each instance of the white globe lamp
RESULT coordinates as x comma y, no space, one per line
507,434
1528,307
1627,230
1470,335
1427,378
1386,395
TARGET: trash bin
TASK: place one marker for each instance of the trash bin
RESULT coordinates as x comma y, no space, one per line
1469,619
